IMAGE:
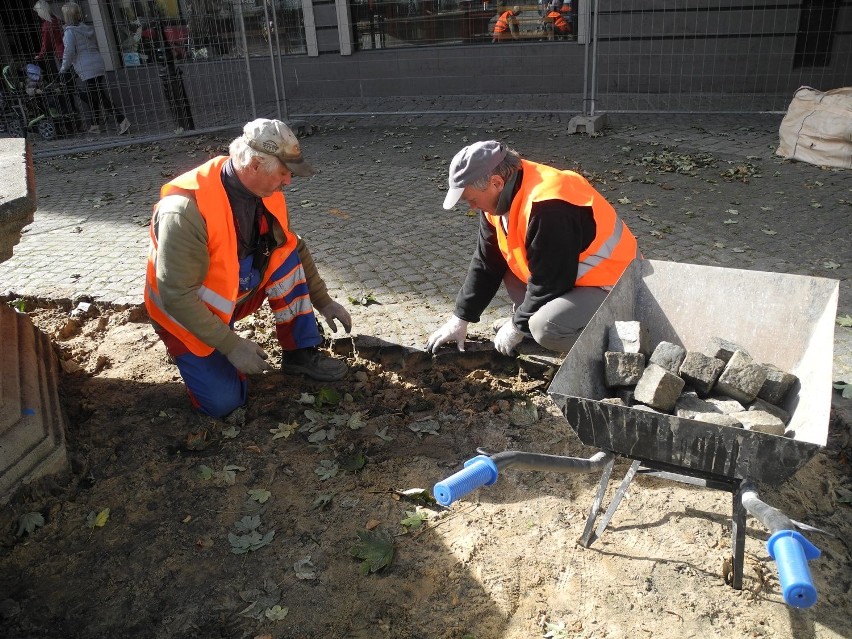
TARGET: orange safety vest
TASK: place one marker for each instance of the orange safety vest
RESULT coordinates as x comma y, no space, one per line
220,287
606,258
559,23
502,23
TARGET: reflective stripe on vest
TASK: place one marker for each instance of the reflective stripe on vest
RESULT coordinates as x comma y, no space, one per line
604,252
220,288
603,261
212,298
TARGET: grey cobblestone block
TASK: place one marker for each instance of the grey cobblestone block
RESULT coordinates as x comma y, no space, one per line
742,377
701,371
658,388
772,409
627,337
725,405
689,405
777,384
719,419
669,356
623,369
722,349
760,422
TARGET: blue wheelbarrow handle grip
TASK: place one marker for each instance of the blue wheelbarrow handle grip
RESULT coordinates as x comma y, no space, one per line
791,552
479,471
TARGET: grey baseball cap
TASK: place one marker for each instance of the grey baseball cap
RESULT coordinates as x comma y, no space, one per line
472,163
275,138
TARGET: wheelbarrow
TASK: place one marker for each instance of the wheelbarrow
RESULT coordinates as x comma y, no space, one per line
785,320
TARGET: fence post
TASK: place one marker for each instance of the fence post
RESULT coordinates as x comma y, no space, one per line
588,122
241,25
270,26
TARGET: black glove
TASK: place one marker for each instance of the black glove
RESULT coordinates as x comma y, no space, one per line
65,78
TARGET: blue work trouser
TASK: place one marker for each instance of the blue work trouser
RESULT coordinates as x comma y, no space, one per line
214,385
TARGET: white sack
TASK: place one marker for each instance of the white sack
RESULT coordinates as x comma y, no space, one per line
818,128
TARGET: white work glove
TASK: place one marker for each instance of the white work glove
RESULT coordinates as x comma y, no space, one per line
335,311
248,357
507,338
454,330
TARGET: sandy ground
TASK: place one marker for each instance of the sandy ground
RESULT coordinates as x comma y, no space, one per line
257,527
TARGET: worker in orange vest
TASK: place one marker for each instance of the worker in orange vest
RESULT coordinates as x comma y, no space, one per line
221,244
555,243
555,24
506,27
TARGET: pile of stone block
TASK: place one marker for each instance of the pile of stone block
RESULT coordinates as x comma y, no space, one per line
722,385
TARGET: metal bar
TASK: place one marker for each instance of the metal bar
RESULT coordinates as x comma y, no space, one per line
586,71
521,460
738,531
687,479
587,538
772,518
432,112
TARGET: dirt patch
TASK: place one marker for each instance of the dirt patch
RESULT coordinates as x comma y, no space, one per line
250,527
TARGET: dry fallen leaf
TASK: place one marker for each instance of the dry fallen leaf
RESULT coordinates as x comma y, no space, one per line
338,213
372,524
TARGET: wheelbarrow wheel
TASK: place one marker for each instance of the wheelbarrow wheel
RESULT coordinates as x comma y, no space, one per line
46,129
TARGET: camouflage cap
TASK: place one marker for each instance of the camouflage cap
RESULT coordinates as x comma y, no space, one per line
275,138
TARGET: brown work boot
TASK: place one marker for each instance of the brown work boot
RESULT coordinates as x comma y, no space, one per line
314,364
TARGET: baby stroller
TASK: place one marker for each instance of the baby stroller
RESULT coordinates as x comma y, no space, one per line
28,105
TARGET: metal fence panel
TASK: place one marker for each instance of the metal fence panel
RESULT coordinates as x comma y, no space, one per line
718,55
173,66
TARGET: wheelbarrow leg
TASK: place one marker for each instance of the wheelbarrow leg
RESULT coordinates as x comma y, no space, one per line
616,499
588,536
738,531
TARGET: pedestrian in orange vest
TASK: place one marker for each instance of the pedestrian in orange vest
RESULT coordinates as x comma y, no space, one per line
556,244
221,244
506,27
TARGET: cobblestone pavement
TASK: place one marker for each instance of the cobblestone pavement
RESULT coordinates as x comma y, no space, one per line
702,189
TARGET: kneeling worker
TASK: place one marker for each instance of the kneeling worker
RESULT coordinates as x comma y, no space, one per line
221,244
548,235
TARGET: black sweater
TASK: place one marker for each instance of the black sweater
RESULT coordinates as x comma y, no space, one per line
558,232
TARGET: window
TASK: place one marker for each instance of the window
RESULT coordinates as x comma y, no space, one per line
816,32
379,24
149,31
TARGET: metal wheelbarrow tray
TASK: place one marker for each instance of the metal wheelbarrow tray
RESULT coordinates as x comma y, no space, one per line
785,320
780,319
